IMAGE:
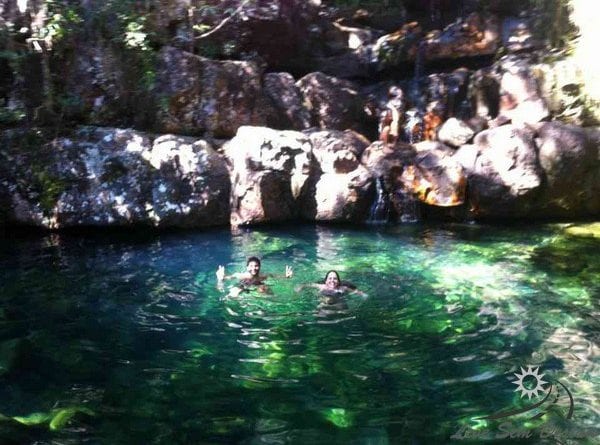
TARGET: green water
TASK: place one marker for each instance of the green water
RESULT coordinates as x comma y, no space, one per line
124,339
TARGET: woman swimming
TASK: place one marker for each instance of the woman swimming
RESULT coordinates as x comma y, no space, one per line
332,286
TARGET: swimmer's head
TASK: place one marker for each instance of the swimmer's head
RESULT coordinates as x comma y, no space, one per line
253,266
332,280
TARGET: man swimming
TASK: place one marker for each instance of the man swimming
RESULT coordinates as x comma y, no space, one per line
251,277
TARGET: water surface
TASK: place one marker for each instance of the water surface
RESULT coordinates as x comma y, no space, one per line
121,338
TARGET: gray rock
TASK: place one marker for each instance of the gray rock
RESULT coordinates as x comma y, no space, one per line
334,104
117,177
289,112
269,168
570,158
338,197
520,98
507,174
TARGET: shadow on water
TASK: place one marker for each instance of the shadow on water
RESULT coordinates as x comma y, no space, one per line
129,340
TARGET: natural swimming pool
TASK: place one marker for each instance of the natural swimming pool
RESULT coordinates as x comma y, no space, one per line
122,338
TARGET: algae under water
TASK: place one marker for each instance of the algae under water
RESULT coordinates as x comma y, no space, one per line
116,338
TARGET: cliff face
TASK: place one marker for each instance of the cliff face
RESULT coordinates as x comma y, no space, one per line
456,109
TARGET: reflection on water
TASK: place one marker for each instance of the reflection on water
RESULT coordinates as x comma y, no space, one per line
123,339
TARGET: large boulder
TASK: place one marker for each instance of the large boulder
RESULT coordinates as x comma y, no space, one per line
337,151
434,176
472,36
280,175
455,132
507,174
289,112
520,98
570,158
338,197
334,104
199,95
268,169
114,177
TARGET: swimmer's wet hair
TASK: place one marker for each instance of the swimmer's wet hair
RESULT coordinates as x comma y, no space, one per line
253,259
336,274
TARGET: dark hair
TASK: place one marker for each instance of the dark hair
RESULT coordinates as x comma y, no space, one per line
253,259
336,274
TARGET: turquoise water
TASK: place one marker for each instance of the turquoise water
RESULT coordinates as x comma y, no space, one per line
126,339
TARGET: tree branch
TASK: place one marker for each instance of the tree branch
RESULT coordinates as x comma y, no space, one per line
224,22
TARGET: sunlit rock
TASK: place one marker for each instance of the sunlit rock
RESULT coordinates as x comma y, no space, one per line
338,197
269,168
520,98
337,151
455,132
119,177
562,85
436,178
472,36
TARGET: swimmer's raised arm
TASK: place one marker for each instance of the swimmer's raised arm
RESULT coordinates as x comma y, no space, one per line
221,274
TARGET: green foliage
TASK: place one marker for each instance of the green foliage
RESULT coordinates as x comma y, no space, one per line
9,117
49,187
553,23
64,21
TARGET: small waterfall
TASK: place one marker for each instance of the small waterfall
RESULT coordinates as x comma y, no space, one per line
465,111
453,89
420,62
413,129
380,210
